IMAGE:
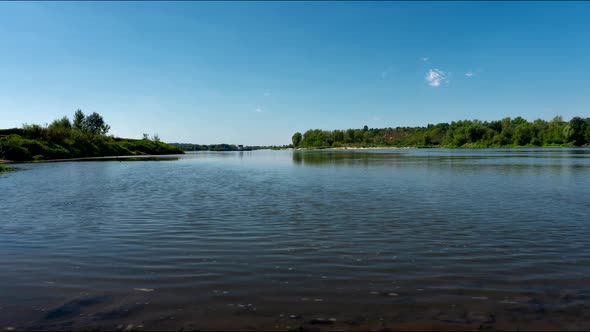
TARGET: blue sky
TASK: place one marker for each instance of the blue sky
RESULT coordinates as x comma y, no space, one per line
255,72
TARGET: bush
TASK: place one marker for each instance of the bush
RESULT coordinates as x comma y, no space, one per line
12,148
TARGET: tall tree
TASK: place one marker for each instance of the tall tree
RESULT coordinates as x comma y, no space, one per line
296,139
577,127
95,124
79,120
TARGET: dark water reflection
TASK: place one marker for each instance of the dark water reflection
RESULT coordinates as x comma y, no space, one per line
400,239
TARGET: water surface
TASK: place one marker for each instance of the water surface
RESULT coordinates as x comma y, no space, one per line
399,239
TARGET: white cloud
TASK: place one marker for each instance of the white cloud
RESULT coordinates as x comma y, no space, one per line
425,60
435,77
469,74
258,110
266,93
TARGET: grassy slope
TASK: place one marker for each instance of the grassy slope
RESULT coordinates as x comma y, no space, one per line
76,145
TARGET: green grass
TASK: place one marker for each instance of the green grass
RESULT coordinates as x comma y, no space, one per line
4,168
76,145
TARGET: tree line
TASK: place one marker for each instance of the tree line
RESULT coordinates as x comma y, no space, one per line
465,133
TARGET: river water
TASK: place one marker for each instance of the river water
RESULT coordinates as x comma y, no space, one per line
319,240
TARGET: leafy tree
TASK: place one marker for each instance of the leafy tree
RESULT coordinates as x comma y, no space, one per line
576,131
555,130
349,136
505,122
338,136
79,120
367,137
61,123
296,139
523,134
95,124
518,121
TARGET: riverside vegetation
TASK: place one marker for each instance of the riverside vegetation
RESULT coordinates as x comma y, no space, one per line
85,136
465,134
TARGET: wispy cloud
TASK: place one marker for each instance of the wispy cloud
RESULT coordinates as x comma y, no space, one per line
266,93
425,60
258,110
375,118
435,77
470,74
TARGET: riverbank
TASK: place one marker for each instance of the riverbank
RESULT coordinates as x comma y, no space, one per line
85,137
27,147
145,157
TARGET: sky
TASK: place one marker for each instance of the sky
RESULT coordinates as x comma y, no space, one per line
254,73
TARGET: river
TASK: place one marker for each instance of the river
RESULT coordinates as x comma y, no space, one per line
330,240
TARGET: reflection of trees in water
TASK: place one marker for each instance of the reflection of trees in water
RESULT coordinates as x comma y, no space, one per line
336,157
218,154
505,164
364,158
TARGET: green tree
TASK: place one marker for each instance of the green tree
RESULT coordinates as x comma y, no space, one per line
368,137
587,133
338,136
296,139
79,120
63,123
555,130
349,136
95,124
577,129
523,134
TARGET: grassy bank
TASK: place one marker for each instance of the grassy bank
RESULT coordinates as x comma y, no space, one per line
77,145
4,168
86,137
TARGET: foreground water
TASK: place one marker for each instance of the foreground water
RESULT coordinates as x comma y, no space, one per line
399,239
